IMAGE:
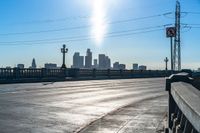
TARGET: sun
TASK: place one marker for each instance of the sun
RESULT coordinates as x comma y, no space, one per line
98,20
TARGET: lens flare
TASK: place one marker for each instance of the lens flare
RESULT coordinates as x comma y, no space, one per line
99,25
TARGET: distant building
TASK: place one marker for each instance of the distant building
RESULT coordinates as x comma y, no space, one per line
108,62
95,63
81,62
116,66
21,66
88,59
142,67
122,66
104,62
78,61
33,65
198,69
135,66
50,66
8,67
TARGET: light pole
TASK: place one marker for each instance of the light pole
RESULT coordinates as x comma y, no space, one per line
166,63
64,50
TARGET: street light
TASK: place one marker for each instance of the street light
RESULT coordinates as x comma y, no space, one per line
64,50
166,65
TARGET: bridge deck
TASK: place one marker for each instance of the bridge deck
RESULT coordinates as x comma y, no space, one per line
71,106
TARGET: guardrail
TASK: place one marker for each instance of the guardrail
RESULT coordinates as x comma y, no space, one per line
42,74
16,73
184,104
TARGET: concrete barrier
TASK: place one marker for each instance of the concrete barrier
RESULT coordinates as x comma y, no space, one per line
184,104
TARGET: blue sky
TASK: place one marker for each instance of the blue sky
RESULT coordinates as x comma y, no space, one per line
24,23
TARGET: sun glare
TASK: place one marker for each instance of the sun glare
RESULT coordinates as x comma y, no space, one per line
99,25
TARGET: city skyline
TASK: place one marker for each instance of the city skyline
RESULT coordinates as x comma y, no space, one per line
27,32
102,62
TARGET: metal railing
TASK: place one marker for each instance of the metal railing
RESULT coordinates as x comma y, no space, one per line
184,104
15,74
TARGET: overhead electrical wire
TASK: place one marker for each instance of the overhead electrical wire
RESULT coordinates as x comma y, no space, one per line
80,38
85,39
120,35
72,18
80,27
194,13
190,25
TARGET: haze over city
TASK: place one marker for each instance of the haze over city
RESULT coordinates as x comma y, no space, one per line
130,31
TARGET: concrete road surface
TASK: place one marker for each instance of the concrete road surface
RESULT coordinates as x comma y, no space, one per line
128,105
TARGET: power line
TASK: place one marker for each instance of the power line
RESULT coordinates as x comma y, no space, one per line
72,18
182,14
194,13
83,39
78,37
80,27
135,19
75,18
45,31
120,35
195,27
188,24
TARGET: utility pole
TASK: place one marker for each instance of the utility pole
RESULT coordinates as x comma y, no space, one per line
177,40
172,55
166,63
64,50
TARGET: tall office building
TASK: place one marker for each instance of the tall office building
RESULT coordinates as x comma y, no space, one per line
135,66
33,65
108,62
81,61
104,62
88,59
78,60
95,63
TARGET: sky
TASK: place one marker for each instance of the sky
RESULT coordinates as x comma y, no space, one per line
128,31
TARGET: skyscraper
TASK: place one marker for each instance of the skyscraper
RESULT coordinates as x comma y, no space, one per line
81,61
88,59
33,65
95,63
108,62
104,62
78,60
